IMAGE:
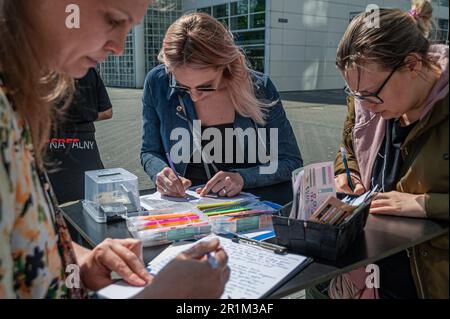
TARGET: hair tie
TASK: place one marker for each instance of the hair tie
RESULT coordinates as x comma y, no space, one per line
414,13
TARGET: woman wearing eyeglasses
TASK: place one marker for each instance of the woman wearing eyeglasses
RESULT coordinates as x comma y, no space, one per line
204,88
396,136
39,56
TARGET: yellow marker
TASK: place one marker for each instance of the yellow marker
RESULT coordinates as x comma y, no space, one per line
206,206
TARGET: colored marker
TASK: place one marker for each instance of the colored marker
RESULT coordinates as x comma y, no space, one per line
236,210
155,226
166,216
219,205
169,220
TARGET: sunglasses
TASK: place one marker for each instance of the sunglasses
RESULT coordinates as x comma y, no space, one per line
183,89
188,90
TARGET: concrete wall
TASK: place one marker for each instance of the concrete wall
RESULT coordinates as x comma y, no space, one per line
301,53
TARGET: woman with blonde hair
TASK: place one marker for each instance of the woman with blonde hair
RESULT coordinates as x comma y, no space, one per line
39,56
396,134
204,77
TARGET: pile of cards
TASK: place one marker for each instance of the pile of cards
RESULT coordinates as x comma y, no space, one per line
336,212
333,212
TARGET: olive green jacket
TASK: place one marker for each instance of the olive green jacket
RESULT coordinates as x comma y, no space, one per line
425,171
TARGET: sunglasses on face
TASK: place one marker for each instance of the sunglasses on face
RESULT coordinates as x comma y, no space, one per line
370,97
188,90
183,89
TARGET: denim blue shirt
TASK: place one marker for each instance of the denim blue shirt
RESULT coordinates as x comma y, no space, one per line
161,114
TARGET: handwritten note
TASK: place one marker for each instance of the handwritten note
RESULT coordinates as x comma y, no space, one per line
254,271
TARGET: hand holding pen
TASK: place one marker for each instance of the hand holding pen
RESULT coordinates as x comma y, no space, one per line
194,274
348,182
169,183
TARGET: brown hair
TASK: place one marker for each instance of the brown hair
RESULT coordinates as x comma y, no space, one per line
200,41
33,91
399,35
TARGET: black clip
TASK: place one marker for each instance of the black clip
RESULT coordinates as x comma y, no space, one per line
280,250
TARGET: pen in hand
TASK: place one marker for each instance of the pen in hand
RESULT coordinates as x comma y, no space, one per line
172,166
211,261
347,170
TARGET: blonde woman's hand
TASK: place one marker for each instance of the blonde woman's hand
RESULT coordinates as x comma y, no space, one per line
168,184
224,184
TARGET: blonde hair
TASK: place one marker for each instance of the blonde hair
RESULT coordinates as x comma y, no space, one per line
399,35
33,91
424,15
199,41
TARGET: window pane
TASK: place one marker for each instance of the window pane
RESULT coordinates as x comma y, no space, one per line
239,23
205,10
255,56
443,24
224,21
257,5
250,37
220,11
239,7
257,20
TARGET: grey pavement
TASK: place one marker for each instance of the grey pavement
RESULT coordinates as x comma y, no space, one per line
316,118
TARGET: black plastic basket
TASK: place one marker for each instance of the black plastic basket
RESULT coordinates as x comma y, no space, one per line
319,240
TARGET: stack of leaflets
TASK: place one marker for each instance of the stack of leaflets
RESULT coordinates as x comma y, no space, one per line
315,196
313,185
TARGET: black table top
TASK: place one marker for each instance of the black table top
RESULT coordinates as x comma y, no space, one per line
382,237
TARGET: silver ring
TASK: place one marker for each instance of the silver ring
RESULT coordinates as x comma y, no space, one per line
224,191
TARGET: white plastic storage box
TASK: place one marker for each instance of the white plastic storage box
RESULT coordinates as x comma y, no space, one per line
110,194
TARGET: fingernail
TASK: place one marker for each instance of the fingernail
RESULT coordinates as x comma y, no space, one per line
136,280
146,276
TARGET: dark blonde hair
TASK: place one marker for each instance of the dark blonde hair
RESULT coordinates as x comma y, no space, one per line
199,41
33,91
399,35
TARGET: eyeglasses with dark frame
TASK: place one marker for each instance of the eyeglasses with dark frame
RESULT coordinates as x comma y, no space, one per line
372,97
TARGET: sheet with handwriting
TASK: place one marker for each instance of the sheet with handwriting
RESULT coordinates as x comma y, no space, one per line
254,271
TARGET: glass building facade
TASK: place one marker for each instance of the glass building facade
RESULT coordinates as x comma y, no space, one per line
157,21
246,19
123,71
119,71
292,41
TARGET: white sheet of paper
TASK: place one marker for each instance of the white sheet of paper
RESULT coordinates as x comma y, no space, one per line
119,290
254,271
157,201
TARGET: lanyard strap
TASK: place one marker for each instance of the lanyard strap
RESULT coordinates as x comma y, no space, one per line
197,145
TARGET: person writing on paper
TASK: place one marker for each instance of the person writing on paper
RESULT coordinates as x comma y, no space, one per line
396,137
204,89
39,56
